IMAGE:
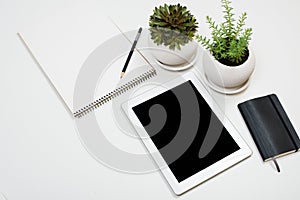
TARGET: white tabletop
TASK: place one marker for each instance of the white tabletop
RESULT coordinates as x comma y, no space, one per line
42,157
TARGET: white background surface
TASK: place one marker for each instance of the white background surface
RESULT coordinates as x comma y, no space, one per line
41,156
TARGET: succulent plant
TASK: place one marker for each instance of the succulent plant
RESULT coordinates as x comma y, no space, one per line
172,25
230,40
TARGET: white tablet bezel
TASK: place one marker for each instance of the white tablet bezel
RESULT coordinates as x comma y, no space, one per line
203,175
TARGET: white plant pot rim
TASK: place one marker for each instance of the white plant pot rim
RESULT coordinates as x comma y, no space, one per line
228,76
251,54
173,58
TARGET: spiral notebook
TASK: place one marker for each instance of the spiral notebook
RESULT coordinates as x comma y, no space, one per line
82,52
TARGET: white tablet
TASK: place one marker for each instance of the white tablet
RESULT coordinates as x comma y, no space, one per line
185,132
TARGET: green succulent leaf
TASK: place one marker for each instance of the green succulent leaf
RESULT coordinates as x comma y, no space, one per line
172,26
229,40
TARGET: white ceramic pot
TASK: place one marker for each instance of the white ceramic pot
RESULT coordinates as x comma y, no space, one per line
174,58
228,76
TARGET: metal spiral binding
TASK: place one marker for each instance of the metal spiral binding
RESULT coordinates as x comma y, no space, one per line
120,90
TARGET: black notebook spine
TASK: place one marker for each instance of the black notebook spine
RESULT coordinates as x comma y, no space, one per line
272,140
264,150
287,123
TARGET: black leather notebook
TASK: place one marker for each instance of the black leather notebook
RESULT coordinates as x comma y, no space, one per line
270,127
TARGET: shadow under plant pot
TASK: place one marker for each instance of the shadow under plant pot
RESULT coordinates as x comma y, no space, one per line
174,59
231,79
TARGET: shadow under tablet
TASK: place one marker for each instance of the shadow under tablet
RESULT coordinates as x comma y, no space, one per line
172,116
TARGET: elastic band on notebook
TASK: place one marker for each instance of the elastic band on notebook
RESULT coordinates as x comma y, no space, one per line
276,164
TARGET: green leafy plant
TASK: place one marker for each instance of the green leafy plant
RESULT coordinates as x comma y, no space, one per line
172,25
230,40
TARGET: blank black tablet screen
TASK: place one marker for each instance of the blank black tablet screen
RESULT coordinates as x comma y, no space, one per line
185,130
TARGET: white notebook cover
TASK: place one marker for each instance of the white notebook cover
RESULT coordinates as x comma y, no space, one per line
62,42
